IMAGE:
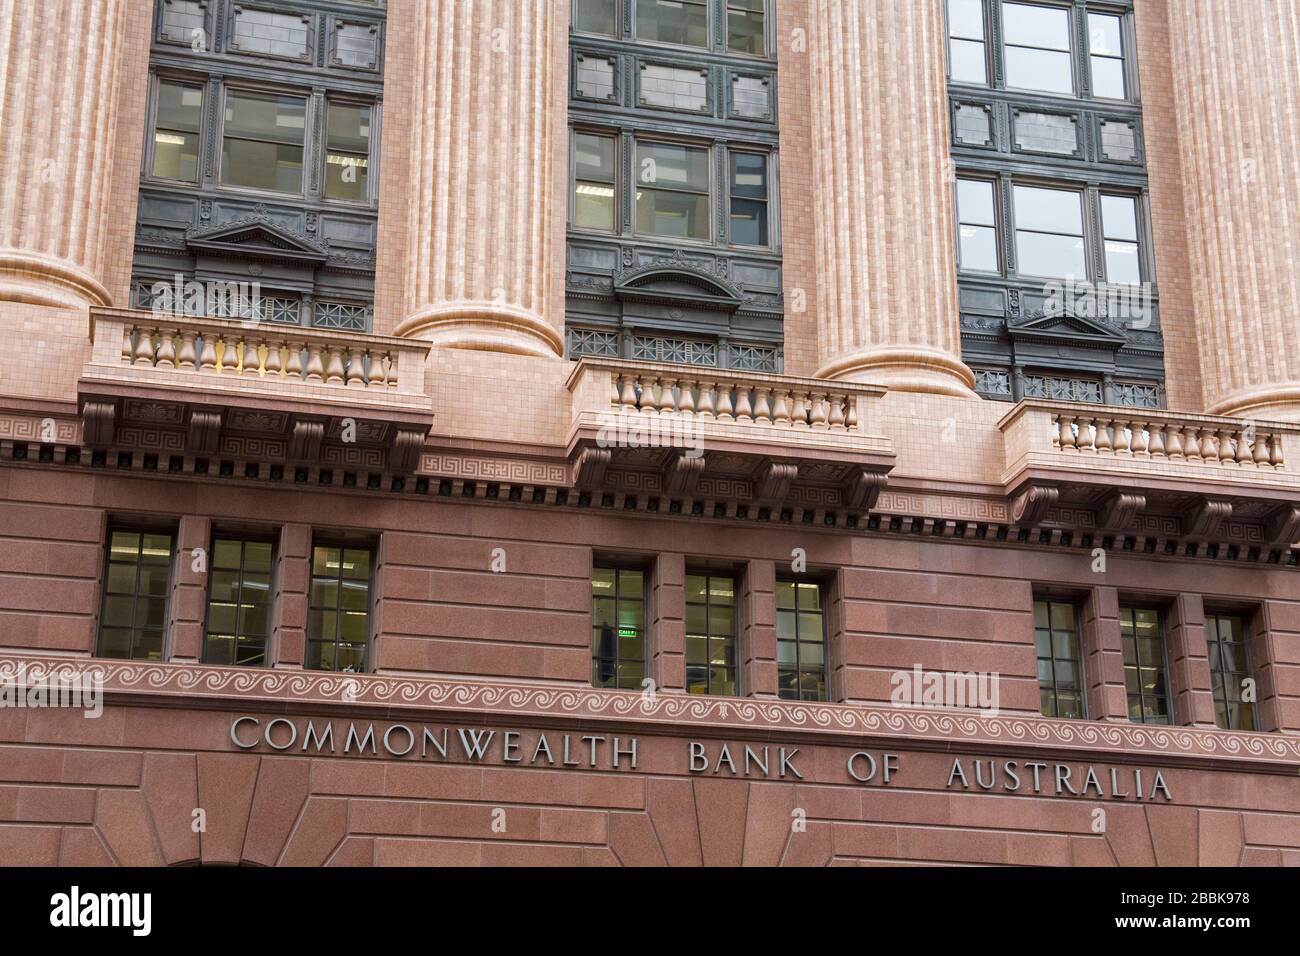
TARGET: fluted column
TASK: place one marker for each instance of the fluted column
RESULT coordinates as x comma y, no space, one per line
886,259
59,71
1236,71
487,111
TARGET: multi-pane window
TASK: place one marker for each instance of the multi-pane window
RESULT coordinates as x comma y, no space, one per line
595,16
338,613
967,58
593,182
672,190
1119,230
710,634
1049,232
134,616
239,601
1229,671
1060,669
262,141
681,22
1037,48
178,115
800,641
1145,674
347,152
977,226
745,27
617,627
749,199
1106,55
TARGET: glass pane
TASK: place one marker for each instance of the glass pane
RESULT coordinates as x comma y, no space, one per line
155,549
354,595
975,202
683,22
1065,646
153,580
673,167
695,585
275,119
696,619
325,561
745,32
749,175
1104,34
593,157
271,166
225,585
721,621
966,19
176,155
593,206
1041,614
749,222
810,597
356,564
1108,78
1032,25
977,248
1043,70
1049,210
967,63
595,16
1119,217
785,594
348,152
118,611
679,215
257,557
1122,263
602,581
1051,256
722,590
1063,616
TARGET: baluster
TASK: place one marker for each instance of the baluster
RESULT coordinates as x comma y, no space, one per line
724,402
144,347
687,403
1191,445
375,374
744,410
251,363
763,408
293,369
667,399
208,355
128,347
1065,432
1121,444
627,398
1103,442
273,363
1275,451
356,375
167,349
186,357
781,413
1226,453
799,416
646,400
1156,442
1209,447
1241,448
334,365
836,403
1087,435
390,370
706,399
1261,450
1141,439
819,410
1174,447
851,417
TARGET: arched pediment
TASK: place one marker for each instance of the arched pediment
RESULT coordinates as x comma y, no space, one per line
677,282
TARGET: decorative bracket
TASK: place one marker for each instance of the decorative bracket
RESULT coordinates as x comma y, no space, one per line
589,472
774,480
304,444
204,436
863,489
683,475
1029,507
1118,511
98,423
1204,518
404,453
1283,527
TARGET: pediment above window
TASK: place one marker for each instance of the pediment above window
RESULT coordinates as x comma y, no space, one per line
257,237
1067,328
678,282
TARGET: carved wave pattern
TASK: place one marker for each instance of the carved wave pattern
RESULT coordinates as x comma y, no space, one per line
716,712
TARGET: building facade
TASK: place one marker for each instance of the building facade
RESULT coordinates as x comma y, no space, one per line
592,432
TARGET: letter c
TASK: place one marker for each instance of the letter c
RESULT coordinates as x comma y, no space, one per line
235,739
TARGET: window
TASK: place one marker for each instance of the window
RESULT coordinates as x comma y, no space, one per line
1229,671
262,143
967,60
800,641
683,22
136,585
1037,48
745,27
593,186
1119,227
596,16
176,132
672,196
1060,668
617,627
239,601
710,634
1049,233
1106,56
977,226
338,613
347,152
1144,665
749,203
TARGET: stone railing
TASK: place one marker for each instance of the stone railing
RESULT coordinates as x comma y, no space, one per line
231,349
721,395
1150,435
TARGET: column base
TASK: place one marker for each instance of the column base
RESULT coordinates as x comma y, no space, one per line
1279,402
44,280
485,326
904,368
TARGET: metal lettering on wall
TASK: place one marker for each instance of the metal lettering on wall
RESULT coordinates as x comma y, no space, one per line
592,751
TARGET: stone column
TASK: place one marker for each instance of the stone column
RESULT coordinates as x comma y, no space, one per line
666,650
1103,656
288,644
187,609
757,606
1236,71
60,65
1191,698
887,292
484,223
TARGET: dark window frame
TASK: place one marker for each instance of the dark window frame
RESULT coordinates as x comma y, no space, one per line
620,566
710,575
823,587
1162,626
1214,649
243,539
341,545
1081,688
156,80
140,529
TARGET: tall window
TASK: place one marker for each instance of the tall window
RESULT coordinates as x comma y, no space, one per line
1229,671
1060,669
134,616
749,199
1106,56
1145,674
595,16
672,190
745,27
347,152
1037,48
967,60
977,226
683,22
593,182
1049,233
800,641
617,627
179,113
239,600
338,614
262,141
1119,225
710,634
